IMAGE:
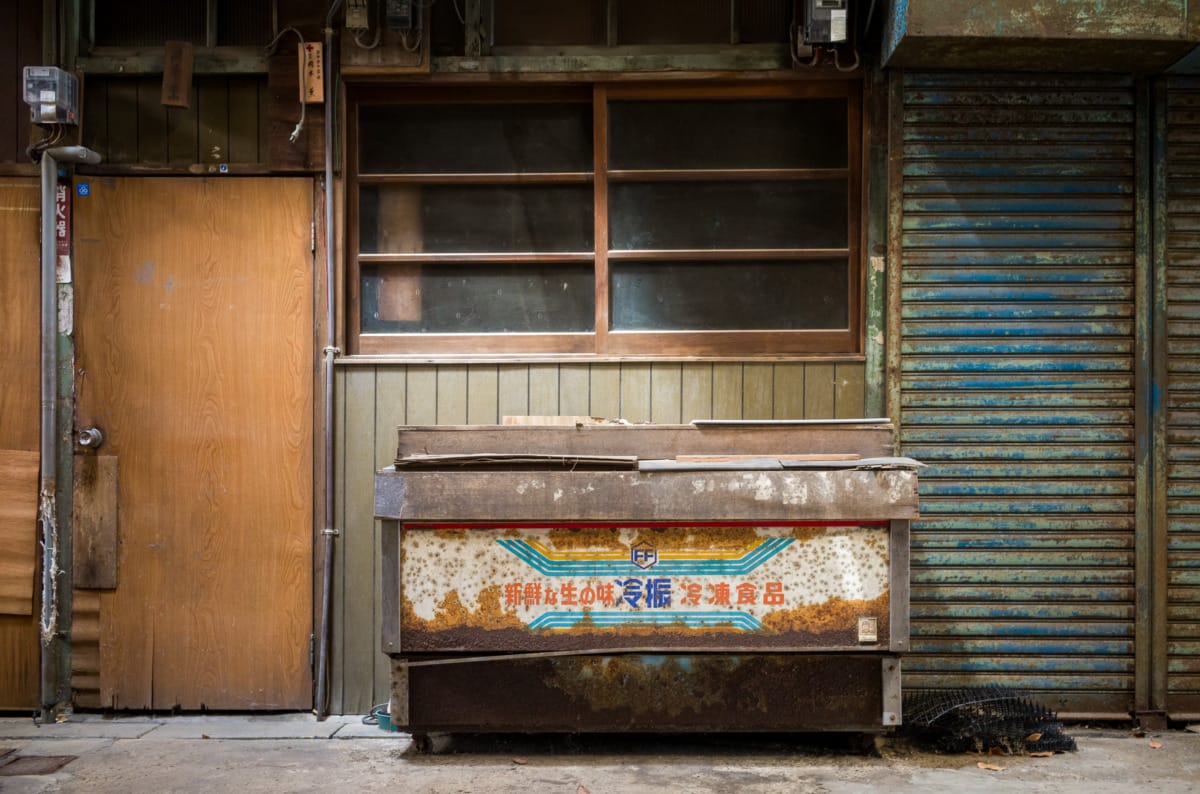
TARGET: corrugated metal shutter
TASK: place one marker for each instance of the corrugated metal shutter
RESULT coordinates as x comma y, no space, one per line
1183,396
1016,359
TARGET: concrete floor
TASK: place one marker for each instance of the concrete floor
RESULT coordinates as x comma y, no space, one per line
296,753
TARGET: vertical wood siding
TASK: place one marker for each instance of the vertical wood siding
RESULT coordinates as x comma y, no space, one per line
225,122
20,46
372,401
1016,382
1182,299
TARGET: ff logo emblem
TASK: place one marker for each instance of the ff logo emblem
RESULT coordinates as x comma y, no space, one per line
643,554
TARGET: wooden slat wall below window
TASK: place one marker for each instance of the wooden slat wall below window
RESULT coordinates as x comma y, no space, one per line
372,401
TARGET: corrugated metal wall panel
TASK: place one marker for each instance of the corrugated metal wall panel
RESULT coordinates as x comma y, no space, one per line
1182,206
1016,381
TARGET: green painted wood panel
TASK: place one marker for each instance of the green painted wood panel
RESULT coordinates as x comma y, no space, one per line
390,412
666,383
360,589
452,395
543,390
697,388
422,396
337,628
606,391
483,392
513,390
850,390
574,390
819,391
789,391
727,391
758,391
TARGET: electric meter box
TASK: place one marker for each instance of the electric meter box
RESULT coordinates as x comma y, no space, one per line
825,21
52,95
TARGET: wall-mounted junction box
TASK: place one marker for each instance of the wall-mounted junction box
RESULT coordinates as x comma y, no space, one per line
52,95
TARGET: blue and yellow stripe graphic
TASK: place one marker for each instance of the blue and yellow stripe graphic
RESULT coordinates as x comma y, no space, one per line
692,620
738,562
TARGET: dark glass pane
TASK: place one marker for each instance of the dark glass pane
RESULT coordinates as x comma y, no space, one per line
243,22
769,133
148,23
548,22
511,138
715,215
729,296
480,299
673,22
475,218
764,20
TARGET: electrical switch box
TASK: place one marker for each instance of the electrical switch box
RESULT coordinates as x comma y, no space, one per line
52,95
399,14
825,21
357,16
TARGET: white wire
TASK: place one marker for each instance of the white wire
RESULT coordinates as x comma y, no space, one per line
295,136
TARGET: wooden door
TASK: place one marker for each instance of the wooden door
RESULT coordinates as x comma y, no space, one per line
20,257
194,333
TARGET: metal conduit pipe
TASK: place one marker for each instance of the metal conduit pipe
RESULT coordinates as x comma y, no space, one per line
330,352
56,550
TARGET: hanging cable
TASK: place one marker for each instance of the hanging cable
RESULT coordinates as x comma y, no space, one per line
270,48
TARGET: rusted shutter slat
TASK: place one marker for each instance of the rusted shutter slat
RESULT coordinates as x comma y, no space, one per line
1016,381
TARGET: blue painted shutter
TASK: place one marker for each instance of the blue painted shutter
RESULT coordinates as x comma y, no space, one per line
1017,382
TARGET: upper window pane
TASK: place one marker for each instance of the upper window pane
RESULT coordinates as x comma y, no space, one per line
714,215
475,138
769,133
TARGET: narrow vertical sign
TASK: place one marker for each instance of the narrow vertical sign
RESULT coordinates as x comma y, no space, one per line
62,220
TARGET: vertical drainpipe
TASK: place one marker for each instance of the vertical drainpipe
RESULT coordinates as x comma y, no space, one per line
57,412
876,247
330,352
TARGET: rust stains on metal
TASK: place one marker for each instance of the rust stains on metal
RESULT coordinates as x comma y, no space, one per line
647,685
836,615
488,613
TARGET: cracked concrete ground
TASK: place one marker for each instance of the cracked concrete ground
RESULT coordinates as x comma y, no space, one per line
297,753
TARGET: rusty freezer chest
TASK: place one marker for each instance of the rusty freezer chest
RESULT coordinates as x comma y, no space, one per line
722,576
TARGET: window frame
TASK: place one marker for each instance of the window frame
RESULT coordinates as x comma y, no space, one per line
603,342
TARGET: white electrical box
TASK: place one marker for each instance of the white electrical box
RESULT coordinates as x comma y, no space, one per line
357,16
52,95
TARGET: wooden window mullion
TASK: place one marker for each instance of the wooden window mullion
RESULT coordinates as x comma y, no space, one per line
600,210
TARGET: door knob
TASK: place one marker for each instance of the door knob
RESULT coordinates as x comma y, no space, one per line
90,438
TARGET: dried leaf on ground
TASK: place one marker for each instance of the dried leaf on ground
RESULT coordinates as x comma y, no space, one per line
997,751
989,767
1033,737
582,789
1155,745
1043,754
521,761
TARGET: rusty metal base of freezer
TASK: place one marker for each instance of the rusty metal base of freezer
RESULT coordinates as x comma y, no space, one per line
671,692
